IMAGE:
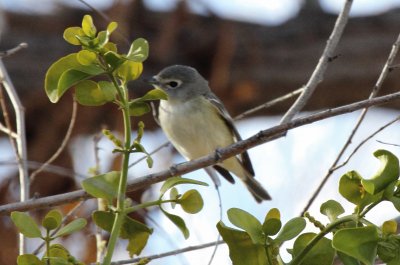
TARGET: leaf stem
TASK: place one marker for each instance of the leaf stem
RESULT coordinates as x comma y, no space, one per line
146,204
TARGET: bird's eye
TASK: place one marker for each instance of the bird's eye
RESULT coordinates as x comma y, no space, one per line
173,84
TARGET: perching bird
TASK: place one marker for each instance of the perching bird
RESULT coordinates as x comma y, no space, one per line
197,123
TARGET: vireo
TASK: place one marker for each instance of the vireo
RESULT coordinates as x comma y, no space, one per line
197,123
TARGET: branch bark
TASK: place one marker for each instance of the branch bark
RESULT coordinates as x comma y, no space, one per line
223,153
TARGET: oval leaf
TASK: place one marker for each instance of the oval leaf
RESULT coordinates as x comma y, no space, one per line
242,251
272,223
104,186
86,57
155,94
129,70
359,242
139,50
88,93
88,27
29,259
291,229
52,220
248,223
191,201
26,225
138,108
332,209
70,35
72,227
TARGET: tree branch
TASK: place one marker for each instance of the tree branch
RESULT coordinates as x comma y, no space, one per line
223,153
20,141
319,71
385,71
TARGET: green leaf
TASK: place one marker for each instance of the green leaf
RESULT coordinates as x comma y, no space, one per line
138,108
103,38
113,59
359,242
104,220
291,229
86,57
129,70
173,181
387,173
154,94
173,195
332,209
248,223
71,227
272,223
346,259
108,89
149,161
139,50
242,251
179,222
191,201
88,27
104,186
389,227
137,234
29,259
66,72
112,26
52,220
71,33
26,225
389,250
351,189
90,93
321,254
59,255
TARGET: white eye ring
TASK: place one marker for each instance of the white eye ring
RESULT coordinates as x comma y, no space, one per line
173,83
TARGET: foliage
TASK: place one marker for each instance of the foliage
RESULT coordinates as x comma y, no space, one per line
55,254
99,74
355,240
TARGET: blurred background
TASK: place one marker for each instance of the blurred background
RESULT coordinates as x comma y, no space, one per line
251,51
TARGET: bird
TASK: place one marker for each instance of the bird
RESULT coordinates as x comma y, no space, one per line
197,124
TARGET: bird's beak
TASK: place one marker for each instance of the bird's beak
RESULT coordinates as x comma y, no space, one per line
153,81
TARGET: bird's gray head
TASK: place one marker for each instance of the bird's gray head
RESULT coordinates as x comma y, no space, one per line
181,82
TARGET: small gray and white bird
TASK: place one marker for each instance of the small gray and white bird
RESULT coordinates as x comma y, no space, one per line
197,123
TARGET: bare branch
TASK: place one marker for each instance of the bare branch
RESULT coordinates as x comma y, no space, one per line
270,103
319,71
222,154
63,143
13,50
397,145
20,140
5,129
364,141
167,254
385,71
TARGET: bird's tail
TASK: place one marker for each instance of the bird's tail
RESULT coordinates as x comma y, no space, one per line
256,189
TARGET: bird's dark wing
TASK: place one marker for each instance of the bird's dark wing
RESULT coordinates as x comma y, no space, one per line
245,159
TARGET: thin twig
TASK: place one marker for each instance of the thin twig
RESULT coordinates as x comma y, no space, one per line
5,129
319,71
382,142
385,71
151,153
63,143
167,254
20,141
364,141
239,147
8,126
269,103
49,168
13,50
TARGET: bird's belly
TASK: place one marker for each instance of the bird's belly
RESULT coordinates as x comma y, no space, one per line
195,130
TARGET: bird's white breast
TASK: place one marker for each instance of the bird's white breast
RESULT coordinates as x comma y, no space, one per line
194,127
